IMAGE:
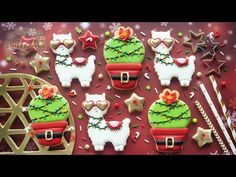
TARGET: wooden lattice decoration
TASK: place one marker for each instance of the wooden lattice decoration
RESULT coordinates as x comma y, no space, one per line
16,91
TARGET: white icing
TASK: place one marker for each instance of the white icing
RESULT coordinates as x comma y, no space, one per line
65,73
166,71
100,137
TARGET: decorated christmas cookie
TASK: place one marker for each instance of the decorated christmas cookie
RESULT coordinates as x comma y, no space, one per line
134,103
169,118
165,65
89,40
101,131
124,54
66,67
48,112
40,63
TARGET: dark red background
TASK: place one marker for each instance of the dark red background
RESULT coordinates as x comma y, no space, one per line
227,32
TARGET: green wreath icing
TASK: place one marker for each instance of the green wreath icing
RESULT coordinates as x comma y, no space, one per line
164,115
48,110
130,50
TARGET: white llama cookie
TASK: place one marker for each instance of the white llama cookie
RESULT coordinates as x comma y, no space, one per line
67,68
167,67
101,131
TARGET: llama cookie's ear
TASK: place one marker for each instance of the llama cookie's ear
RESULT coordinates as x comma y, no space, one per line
53,35
86,95
168,31
104,95
69,34
153,32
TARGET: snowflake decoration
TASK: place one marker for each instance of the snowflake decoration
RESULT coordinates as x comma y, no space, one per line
47,26
102,35
32,32
230,32
114,26
209,25
3,63
84,25
102,25
225,41
8,26
234,46
232,103
137,27
228,58
200,30
190,23
164,23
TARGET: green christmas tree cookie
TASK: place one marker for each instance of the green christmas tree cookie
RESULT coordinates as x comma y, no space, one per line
169,111
48,106
124,47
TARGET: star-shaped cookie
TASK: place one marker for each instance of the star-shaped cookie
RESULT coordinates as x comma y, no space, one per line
195,46
89,40
210,49
214,65
134,103
40,63
202,136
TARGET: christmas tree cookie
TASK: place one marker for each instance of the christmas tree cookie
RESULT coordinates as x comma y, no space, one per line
49,112
169,118
124,54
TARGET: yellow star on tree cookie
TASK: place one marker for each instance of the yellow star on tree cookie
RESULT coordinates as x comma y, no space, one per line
40,63
134,103
202,136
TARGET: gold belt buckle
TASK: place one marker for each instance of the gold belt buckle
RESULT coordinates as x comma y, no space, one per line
172,142
50,133
122,77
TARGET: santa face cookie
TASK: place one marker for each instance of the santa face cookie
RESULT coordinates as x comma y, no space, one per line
66,67
101,131
124,54
48,112
165,65
169,117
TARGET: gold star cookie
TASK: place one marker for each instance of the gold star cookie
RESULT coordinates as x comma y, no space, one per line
202,136
134,103
40,63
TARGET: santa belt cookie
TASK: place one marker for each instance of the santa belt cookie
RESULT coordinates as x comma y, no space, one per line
49,134
124,76
169,139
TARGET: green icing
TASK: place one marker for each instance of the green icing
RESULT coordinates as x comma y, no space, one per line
129,51
162,115
48,110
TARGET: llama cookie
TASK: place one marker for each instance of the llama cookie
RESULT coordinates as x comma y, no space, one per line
124,54
165,65
169,118
66,67
101,131
48,112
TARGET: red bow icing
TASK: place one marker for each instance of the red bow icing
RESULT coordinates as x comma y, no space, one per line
124,33
48,92
169,96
